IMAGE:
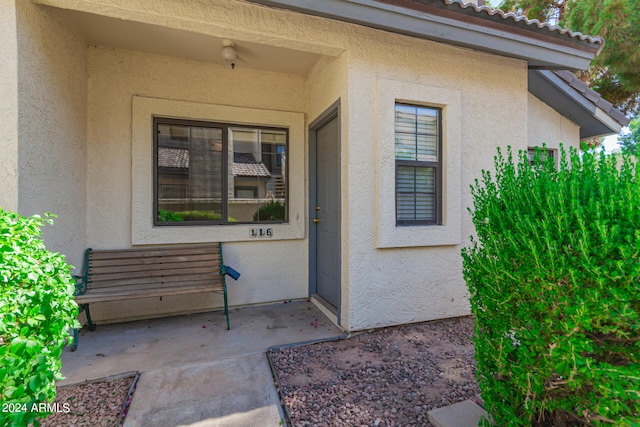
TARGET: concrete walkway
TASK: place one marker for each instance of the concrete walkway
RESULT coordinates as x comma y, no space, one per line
194,371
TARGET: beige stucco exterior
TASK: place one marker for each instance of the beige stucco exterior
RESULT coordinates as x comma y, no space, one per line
44,93
548,127
8,106
84,148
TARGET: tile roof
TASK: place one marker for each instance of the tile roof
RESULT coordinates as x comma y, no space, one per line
594,97
463,11
573,99
173,157
489,13
244,164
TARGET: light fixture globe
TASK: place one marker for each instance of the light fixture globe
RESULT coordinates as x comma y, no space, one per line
229,53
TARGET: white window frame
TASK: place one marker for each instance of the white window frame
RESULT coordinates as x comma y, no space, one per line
449,231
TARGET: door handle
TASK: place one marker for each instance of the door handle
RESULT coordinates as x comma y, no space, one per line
316,220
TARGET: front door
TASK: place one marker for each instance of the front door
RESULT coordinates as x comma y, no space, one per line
325,208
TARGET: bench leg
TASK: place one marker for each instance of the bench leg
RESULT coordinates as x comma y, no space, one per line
74,344
92,325
226,309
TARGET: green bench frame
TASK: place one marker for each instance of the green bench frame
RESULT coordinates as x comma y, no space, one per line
117,275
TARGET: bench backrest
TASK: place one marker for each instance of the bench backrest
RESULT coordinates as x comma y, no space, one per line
189,265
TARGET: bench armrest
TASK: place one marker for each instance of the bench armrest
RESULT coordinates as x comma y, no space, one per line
225,269
81,285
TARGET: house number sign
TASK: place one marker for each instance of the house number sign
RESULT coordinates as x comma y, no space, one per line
261,233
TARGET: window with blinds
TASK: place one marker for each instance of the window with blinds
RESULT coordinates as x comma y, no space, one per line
418,145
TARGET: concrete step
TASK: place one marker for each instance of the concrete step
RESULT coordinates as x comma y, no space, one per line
461,414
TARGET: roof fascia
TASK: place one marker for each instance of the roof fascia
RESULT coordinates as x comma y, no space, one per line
540,52
559,95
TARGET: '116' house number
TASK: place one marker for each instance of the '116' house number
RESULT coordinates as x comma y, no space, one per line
261,232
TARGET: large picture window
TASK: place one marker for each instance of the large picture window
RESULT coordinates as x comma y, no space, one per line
217,173
418,146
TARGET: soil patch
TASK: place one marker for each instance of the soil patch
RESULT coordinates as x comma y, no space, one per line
387,377
95,403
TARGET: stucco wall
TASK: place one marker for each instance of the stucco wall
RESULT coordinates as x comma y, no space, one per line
549,127
407,274
272,269
8,106
390,275
52,125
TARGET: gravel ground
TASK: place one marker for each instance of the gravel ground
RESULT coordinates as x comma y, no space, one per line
91,404
388,377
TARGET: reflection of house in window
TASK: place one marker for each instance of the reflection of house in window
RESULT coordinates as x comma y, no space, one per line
258,163
218,173
250,176
189,168
173,173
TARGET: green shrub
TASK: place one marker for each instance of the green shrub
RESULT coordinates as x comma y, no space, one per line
554,278
169,216
273,210
36,311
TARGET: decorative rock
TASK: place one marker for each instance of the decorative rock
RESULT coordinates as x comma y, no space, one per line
387,377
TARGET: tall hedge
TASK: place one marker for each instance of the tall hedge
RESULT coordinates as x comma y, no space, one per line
36,312
554,279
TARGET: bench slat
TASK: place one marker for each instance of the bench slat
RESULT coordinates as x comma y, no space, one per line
154,260
150,273
185,265
210,277
152,252
124,295
159,285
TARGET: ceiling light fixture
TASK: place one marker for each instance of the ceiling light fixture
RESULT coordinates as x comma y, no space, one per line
229,53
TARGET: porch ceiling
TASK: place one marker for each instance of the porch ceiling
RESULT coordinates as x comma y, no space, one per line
142,37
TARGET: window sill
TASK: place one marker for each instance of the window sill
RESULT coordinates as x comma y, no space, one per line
404,236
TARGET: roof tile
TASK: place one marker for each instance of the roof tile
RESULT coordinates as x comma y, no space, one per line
523,20
592,96
244,164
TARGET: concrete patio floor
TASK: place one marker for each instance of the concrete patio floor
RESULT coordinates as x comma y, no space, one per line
194,371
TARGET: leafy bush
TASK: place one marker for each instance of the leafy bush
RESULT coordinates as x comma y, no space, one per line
273,210
36,311
554,277
169,216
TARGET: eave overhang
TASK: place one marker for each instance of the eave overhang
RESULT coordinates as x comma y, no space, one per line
460,24
595,116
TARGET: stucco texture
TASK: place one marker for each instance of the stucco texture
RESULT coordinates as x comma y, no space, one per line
390,275
547,126
8,106
392,279
52,121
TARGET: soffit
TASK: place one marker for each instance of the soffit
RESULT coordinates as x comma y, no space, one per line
142,37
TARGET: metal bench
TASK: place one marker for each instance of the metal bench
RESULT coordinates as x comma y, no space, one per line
116,275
